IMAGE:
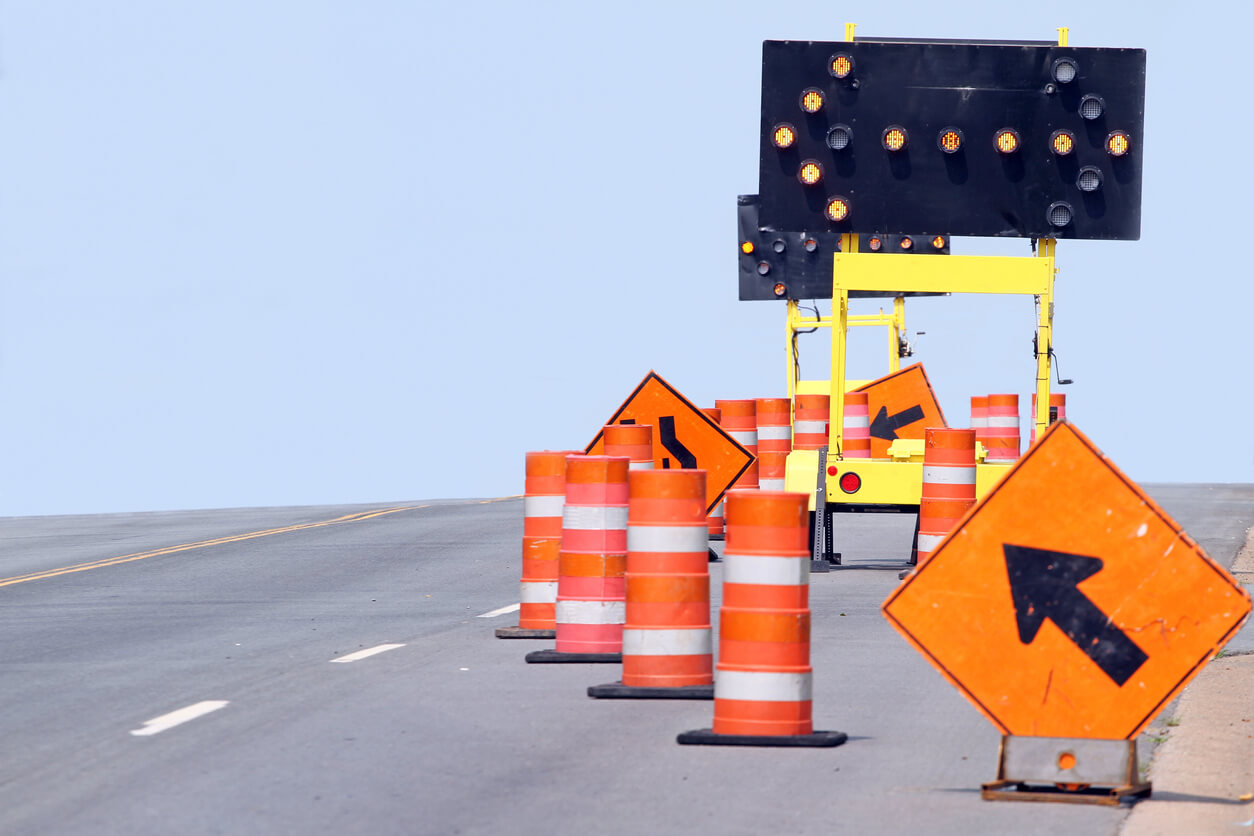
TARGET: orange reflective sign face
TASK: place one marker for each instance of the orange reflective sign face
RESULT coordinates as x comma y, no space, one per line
683,436
902,405
1067,603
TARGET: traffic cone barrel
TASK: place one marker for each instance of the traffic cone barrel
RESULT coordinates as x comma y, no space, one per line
1057,412
635,441
774,425
762,683
948,485
667,645
857,426
714,522
740,422
979,418
591,588
544,493
809,428
771,467
1003,428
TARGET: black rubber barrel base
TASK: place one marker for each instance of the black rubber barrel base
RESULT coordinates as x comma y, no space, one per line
521,633
542,657
718,537
707,737
619,691
820,566
714,558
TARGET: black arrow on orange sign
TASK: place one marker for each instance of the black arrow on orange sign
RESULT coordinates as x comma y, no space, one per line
1045,584
885,426
666,431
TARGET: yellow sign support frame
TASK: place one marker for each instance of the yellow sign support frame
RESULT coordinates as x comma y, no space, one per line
852,270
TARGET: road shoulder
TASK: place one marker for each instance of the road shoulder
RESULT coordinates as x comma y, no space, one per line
1203,773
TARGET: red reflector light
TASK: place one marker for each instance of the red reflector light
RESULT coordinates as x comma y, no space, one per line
831,470
850,482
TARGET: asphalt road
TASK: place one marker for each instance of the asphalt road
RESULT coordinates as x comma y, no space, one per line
107,626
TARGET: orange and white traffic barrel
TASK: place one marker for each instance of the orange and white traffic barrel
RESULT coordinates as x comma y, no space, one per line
740,422
809,426
762,683
856,439
771,468
591,587
544,493
774,422
979,418
635,441
1057,412
714,522
1003,429
948,485
667,646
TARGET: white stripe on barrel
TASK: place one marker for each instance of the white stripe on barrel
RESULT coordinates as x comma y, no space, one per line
696,642
763,686
667,538
594,517
543,506
539,592
768,571
948,475
591,612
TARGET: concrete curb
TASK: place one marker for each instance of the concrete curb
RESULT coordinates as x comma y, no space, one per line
1203,773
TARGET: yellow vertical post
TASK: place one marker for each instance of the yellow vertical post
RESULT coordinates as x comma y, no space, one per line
849,27
1063,33
840,334
1044,338
793,314
895,333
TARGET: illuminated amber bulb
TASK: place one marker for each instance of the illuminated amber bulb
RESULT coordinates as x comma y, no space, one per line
841,65
949,140
1007,141
1117,144
875,244
747,248
812,100
837,208
906,243
780,289
810,172
783,136
894,138
1063,142
939,242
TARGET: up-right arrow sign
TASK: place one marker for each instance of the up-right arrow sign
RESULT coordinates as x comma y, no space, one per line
1067,603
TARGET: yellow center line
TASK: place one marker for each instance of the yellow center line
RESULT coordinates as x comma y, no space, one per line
218,541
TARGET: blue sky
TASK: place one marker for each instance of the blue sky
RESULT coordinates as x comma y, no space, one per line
308,252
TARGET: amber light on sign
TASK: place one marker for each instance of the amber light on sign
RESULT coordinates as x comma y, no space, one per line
1063,142
875,245
780,289
837,208
812,100
783,136
810,172
938,242
949,140
841,65
907,243
1117,144
894,138
747,247
1007,140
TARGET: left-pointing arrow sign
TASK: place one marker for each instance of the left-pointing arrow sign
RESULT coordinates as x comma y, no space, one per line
1045,584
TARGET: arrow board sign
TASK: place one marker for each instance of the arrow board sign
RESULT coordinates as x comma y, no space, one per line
902,405
683,436
1067,603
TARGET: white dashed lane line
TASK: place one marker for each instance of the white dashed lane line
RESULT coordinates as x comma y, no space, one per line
369,651
175,718
501,611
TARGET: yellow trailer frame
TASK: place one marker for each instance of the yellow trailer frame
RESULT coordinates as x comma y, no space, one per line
897,481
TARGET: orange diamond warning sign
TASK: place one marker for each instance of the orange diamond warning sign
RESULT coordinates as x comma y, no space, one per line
1067,603
683,436
902,405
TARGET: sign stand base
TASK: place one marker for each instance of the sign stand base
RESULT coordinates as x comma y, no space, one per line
818,739
820,552
1068,770
524,633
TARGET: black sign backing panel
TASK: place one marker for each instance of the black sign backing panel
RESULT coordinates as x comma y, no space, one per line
978,89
